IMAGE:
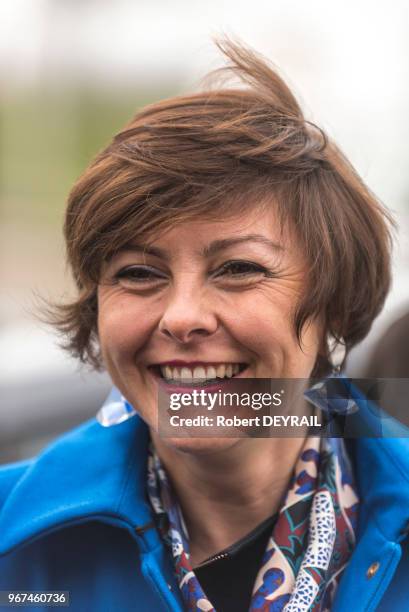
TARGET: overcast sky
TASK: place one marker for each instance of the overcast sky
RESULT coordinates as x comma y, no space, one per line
348,61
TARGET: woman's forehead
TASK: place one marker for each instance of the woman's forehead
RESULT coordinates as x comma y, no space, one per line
212,235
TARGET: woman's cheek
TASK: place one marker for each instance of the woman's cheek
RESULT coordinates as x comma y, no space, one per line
259,318
122,326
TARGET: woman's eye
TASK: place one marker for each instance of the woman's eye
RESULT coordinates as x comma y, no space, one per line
139,274
240,269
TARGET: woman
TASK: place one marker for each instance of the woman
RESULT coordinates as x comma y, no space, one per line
220,235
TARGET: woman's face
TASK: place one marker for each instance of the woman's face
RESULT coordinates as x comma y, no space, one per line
205,299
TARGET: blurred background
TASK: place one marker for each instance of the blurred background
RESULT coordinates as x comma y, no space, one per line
72,72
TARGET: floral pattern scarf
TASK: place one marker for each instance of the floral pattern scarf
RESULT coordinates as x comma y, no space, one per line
310,544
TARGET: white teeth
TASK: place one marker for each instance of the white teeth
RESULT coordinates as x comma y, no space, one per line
186,374
220,371
176,375
199,373
210,372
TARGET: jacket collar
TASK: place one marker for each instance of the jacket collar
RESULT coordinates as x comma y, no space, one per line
381,466
99,473
378,446
91,473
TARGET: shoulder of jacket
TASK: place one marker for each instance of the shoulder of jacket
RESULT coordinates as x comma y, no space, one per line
10,474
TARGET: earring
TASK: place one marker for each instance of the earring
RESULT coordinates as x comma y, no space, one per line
336,351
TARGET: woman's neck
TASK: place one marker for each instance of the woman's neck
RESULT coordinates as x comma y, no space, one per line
227,493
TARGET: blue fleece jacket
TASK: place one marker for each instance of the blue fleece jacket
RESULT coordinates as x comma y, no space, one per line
76,519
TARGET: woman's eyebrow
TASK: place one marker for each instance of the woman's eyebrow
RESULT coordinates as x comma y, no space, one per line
144,249
224,243
208,250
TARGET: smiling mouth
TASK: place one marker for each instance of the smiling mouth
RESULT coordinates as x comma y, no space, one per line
204,373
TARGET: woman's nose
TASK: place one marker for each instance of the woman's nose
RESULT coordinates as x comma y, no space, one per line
188,316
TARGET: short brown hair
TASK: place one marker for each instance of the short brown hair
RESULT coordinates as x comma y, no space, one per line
203,155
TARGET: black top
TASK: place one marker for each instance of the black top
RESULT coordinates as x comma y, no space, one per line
228,578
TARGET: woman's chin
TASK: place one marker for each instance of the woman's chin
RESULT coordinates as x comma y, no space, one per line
199,446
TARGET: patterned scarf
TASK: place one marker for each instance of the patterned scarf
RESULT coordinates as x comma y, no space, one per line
311,541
